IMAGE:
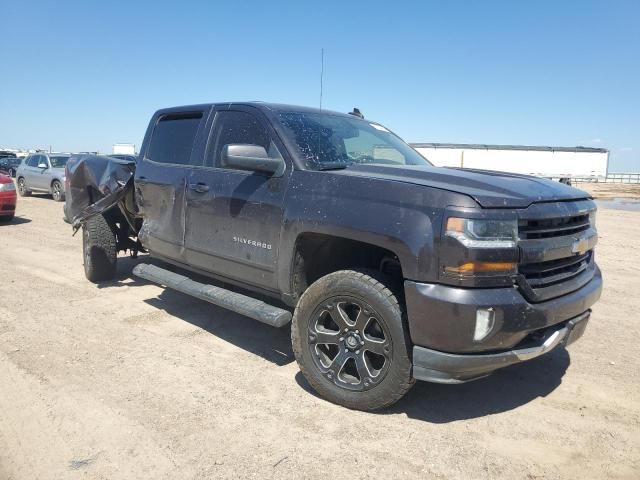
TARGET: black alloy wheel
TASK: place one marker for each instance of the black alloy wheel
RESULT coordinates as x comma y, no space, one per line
350,343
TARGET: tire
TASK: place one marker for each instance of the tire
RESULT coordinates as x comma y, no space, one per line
368,365
57,192
7,218
12,173
99,250
23,191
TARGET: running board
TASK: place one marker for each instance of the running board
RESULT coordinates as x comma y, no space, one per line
242,304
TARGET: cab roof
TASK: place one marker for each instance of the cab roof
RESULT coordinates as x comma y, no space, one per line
265,106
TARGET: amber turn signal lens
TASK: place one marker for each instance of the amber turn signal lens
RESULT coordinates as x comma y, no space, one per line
455,224
482,267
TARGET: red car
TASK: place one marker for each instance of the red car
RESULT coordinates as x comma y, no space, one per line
7,198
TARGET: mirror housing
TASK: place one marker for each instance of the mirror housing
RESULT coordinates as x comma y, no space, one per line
251,157
42,165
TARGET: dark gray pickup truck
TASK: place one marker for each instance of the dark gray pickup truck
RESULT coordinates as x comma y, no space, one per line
389,270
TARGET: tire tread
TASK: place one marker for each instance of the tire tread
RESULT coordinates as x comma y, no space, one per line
404,374
103,257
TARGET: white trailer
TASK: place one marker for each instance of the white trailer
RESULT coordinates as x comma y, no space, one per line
124,148
550,162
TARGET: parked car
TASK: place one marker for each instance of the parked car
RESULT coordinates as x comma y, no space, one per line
7,198
43,172
391,270
9,165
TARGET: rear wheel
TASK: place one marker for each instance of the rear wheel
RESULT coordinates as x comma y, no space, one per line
6,218
12,172
56,191
99,250
23,191
350,342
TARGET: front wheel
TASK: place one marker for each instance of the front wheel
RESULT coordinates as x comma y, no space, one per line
56,191
350,341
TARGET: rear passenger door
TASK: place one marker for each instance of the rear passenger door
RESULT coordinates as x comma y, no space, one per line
161,180
234,217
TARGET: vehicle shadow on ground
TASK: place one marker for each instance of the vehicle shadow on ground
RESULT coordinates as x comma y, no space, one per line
15,221
505,390
44,196
272,344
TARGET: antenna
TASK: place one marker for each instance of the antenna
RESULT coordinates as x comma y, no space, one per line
321,74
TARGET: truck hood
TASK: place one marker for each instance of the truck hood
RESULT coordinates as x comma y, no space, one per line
490,189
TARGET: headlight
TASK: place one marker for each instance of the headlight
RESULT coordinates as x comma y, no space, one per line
7,187
592,219
474,233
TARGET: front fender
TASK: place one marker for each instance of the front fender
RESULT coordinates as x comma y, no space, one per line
400,217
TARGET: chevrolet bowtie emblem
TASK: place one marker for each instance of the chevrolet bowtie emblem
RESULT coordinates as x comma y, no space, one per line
580,245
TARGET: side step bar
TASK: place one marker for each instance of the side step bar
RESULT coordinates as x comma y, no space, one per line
250,307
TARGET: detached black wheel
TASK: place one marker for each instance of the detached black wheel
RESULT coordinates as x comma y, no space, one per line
99,250
350,342
56,191
23,191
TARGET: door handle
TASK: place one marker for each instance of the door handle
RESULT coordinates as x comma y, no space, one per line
199,187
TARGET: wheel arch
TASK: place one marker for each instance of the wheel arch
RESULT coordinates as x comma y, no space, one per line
53,180
318,254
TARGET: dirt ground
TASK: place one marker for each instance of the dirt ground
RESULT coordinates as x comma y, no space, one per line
605,191
128,381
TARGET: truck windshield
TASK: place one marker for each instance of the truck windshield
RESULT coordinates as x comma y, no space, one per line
58,161
334,141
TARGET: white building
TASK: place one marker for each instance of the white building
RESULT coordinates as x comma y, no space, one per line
124,148
552,162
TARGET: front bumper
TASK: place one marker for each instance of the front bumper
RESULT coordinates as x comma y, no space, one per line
442,323
433,366
8,203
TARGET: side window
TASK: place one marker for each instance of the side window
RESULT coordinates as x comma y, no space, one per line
237,128
173,137
33,161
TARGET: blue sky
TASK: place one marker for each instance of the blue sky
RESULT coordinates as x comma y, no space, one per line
85,75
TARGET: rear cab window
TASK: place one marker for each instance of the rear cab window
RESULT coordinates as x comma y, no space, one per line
173,138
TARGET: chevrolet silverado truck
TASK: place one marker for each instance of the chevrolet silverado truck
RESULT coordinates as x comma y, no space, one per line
389,270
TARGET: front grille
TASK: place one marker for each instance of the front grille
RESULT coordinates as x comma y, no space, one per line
553,227
549,265
546,274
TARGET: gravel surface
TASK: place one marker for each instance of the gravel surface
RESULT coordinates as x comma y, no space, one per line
126,380
606,191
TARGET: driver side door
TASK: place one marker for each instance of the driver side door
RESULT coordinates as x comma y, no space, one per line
234,217
35,178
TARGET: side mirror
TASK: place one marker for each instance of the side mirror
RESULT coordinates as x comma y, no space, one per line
43,166
251,157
